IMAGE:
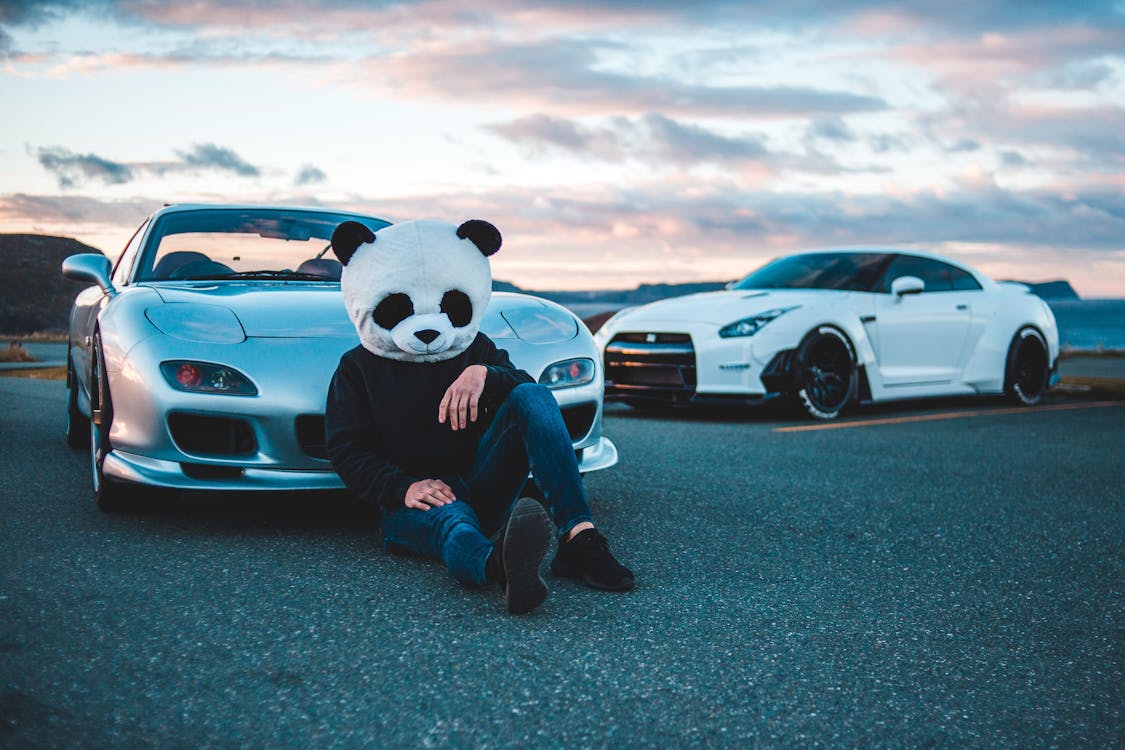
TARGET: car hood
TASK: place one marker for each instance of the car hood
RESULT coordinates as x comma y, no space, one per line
316,310
265,310
720,308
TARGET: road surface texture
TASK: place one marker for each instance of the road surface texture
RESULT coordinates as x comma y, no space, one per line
942,574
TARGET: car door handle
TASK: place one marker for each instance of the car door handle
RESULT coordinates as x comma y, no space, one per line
962,307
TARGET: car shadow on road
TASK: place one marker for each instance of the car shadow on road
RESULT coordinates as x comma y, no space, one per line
266,512
768,411
781,411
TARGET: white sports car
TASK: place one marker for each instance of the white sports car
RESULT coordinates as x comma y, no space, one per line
832,327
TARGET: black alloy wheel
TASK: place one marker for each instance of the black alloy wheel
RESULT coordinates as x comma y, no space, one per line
77,424
824,373
1027,374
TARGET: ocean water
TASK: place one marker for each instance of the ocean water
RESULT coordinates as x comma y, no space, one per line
1087,324
1090,323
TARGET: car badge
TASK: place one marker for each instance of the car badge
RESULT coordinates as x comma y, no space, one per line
650,338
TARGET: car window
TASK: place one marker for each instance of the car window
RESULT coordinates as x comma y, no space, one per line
935,274
125,260
854,272
963,281
244,243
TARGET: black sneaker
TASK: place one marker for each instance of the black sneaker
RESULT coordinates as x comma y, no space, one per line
587,557
524,544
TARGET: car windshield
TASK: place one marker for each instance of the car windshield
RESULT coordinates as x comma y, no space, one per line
244,244
853,272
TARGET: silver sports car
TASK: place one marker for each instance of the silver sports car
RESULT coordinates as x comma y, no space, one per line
202,359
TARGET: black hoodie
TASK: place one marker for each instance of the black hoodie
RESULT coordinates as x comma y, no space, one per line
381,422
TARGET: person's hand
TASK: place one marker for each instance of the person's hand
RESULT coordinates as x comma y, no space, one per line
428,492
461,398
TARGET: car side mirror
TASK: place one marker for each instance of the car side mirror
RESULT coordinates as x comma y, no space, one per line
906,285
93,268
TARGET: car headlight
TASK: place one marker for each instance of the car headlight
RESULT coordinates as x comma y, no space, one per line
205,377
750,326
569,373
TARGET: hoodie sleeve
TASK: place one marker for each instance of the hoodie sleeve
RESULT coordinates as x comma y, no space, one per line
353,445
502,375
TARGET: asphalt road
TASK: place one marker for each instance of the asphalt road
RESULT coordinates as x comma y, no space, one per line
949,582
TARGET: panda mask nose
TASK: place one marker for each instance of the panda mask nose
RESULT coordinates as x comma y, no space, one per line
426,335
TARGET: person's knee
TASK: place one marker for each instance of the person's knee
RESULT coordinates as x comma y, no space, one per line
531,393
533,400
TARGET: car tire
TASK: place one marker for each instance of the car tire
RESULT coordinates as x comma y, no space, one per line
112,496
824,373
1028,368
77,423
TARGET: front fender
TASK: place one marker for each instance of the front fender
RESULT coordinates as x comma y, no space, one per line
122,324
788,331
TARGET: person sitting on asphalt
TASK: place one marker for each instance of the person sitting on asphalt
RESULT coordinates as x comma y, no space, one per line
431,421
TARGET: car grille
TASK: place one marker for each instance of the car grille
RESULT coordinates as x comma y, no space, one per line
650,364
212,436
310,434
579,419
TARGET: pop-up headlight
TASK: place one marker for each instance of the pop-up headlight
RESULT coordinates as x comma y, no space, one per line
194,321
569,373
205,377
750,326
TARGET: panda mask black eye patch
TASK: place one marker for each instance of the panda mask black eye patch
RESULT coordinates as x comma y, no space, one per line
457,307
394,309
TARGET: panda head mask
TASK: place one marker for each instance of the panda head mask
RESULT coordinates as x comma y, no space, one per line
416,291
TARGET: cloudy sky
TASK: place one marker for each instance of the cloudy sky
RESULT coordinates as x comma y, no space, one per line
613,143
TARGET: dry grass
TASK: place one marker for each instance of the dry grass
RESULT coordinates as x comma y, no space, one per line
15,352
54,336
36,373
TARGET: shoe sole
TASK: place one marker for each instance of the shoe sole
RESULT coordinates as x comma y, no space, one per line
527,538
562,570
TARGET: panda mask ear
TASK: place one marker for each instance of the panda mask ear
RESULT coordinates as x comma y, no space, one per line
482,234
347,237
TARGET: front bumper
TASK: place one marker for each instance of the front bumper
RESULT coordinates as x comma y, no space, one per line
678,363
156,472
274,441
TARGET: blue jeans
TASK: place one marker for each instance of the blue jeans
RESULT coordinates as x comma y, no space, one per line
527,433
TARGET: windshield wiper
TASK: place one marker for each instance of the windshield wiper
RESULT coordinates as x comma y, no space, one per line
266,274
